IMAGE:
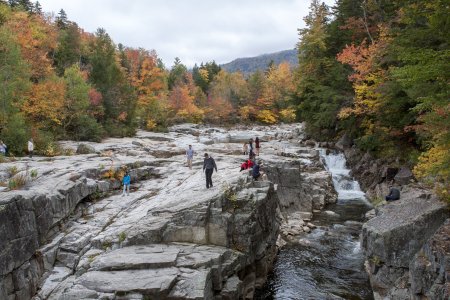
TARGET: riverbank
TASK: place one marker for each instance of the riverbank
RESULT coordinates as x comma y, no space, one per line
69,233
407,252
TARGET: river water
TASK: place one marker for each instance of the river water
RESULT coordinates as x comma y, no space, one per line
328,263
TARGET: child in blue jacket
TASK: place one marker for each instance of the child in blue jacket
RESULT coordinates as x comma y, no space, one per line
126,183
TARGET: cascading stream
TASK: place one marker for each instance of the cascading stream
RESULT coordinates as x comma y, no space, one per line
327,263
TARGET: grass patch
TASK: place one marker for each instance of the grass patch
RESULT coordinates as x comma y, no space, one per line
230,195
106,245
17,182
122,237
12,171
33,173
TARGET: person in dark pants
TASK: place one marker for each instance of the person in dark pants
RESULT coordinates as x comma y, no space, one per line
394,194
208,166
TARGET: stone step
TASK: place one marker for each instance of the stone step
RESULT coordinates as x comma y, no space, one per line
156,283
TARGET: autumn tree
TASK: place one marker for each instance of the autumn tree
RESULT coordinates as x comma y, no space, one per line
43,106
36,31
149,78
204,75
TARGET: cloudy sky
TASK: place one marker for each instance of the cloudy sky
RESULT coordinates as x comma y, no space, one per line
193,30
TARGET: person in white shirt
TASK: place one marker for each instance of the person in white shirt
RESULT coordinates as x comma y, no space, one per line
3,148
30,148
190,156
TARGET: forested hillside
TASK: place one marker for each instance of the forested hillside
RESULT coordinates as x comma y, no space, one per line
248,65
374,70
60,82
378,71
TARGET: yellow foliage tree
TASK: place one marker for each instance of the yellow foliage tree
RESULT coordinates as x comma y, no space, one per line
434,167
45,103
37,38
266,116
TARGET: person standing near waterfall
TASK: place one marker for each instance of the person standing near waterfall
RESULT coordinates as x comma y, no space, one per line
209,164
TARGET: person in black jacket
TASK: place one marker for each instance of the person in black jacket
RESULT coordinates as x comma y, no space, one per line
394,194
208,167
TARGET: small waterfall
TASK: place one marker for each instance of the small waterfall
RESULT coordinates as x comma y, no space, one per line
346,187
328,262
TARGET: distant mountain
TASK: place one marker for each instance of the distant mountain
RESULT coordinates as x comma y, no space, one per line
248,65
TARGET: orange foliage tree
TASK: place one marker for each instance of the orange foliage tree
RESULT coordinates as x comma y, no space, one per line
44,105
37,38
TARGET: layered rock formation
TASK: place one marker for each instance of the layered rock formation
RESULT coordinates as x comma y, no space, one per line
69,234
404,241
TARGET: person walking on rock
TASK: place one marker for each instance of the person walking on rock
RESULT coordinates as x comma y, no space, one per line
190,156
209,165
126,184
30,147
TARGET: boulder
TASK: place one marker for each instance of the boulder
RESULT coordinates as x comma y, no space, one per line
85,149
344,142
404,176
429,271
155,282
393,237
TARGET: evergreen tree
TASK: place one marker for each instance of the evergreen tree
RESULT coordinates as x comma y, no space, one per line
68,51
13,3
37,9
61,19
321,88
14,83
105,73
177,74
26,5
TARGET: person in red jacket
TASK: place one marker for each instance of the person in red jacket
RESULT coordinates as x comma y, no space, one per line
244,166
250,164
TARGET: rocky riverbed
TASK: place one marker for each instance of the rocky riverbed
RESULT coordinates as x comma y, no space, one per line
406,242
69,234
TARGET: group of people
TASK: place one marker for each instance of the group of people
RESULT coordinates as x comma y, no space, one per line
251,151
209,165
30,148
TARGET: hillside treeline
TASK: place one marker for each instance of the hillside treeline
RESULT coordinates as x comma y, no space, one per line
374,70
60,82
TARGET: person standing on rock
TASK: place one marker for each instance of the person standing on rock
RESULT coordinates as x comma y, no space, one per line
190,156
209,165
126,184
250,149
30,147
257,146
245,148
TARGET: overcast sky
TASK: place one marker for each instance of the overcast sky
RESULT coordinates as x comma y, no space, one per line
193,30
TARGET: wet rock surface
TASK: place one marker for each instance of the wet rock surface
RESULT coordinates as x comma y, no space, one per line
69,234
